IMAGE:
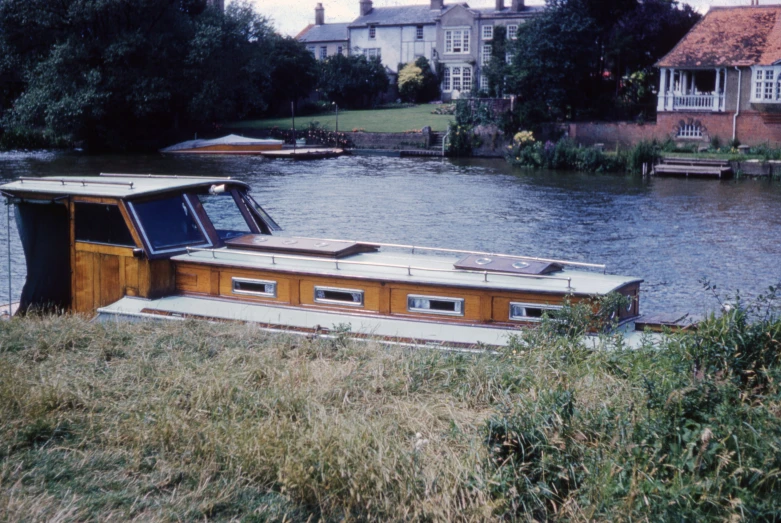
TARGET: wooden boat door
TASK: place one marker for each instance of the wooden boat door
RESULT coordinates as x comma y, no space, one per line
107,258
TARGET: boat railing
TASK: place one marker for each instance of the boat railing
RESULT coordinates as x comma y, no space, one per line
413,248
73,181
164,176
409,268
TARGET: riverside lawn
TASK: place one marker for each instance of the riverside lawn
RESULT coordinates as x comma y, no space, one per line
193,420
382,120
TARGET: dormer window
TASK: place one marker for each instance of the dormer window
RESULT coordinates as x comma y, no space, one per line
372,31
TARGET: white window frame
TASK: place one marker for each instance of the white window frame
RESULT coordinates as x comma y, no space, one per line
372,32
323,52
766,84
373,52
488,32
457,77
339,49
419,32
486,54
457,40
512,32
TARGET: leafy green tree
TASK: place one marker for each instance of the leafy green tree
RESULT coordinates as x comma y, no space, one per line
571,61
116,74
352,81
417,83
294,73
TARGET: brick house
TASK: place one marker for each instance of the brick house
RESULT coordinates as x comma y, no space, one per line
723,79
456,36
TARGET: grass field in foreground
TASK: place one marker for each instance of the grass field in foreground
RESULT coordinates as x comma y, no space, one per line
172,421
392,120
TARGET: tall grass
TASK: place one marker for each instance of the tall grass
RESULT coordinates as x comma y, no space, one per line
185,421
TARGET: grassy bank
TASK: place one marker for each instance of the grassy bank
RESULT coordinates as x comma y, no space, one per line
391,120
172,421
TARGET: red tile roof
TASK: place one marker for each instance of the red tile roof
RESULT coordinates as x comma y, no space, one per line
730,36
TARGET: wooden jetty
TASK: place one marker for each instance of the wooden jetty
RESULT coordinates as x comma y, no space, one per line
702,167
4,310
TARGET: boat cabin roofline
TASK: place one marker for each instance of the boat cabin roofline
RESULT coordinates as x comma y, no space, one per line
109,185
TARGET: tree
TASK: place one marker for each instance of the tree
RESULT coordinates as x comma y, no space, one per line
352,81
294,72
417,83
571,62
116,74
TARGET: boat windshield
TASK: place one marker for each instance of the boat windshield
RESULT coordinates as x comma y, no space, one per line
225,215
169,223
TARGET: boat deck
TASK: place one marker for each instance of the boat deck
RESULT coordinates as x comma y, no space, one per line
305,321
413,269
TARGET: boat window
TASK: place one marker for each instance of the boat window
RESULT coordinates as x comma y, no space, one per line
265,288
531,311
334,296
225,215
169,224
435,305
101,223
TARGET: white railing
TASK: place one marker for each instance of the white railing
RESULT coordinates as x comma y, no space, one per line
692,102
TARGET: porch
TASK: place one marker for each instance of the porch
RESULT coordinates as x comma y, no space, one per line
691,90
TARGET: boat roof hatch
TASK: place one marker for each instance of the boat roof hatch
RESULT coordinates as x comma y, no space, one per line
300,246
126,186
509,264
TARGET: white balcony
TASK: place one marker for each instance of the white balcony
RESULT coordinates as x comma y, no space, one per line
706,102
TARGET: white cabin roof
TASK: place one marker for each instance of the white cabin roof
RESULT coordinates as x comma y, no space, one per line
413,269
126,186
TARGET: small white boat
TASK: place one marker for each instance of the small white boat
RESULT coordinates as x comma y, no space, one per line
231,144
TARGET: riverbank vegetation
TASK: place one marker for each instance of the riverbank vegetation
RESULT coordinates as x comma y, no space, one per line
187,420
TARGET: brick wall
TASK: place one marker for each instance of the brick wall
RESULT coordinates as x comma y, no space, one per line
751,129
389,140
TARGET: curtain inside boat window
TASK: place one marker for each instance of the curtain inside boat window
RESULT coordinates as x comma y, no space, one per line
101,223
169,224
225,215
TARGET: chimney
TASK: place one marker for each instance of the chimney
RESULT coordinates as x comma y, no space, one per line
366,7
319,14
436,4
500,5
518,6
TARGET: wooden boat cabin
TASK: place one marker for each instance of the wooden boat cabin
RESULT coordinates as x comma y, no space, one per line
140,246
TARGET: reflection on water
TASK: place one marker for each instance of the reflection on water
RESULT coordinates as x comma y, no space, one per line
670,232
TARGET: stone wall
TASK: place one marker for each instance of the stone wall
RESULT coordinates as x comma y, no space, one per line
389,140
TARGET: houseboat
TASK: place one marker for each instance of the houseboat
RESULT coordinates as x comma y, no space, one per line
144,246
231,144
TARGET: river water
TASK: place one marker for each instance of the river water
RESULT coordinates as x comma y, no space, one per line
670,232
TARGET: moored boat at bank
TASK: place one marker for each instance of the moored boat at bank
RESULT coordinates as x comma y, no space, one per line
230,144
143,246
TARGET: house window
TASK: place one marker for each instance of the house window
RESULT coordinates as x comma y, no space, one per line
483,82
488,32
372,31
457,78
419,32
690,130
766,84
372,53
311,49
323,52
512,32
339,49
457,41
486,53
